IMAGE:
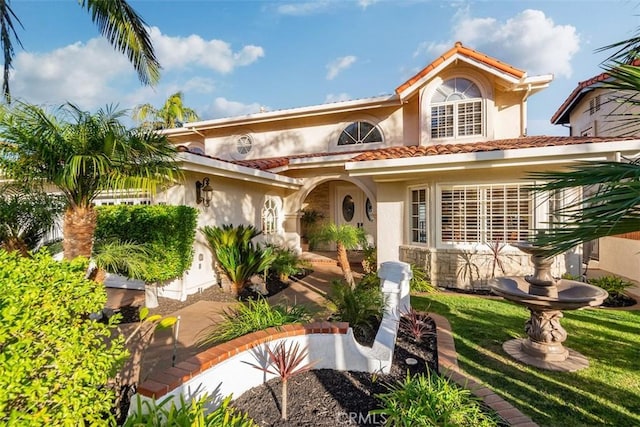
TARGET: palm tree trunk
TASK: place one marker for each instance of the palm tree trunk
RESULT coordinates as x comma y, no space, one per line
15,244
78,229
343,259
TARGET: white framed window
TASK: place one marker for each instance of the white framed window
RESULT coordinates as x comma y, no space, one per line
360,133
485,213
418,215
457,109
270,215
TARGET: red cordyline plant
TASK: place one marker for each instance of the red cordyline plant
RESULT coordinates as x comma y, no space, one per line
285,362
415,324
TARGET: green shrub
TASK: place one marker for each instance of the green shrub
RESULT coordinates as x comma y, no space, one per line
612,284
237,255
55,361
420,280
361,306
431,400
286,263
254,315
190,414
168,232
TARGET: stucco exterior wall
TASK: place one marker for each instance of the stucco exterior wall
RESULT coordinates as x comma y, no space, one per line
390,220
621,257
301,136
605,121
507,115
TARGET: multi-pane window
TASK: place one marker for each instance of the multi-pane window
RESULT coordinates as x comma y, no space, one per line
456,109
418,215
270,216
360,133
485,213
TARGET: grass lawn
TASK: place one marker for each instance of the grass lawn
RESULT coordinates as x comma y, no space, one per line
606,393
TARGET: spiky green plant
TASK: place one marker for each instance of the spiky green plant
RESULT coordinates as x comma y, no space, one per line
361,306
431,400
286,263
237,255
254,315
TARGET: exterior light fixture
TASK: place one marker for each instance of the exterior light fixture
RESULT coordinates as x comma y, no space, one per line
204,192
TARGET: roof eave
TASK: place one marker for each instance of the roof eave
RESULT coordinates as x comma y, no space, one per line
493,159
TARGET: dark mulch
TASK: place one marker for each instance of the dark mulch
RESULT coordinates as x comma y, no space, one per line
333,398
618,300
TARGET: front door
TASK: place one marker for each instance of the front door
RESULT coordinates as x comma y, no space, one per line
353,207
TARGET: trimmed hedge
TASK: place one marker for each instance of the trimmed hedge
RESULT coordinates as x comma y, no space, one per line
168,231
55,361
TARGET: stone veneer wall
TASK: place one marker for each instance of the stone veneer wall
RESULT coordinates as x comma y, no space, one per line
452,268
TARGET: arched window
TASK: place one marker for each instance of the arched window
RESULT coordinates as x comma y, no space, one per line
456,109
360,133
270,214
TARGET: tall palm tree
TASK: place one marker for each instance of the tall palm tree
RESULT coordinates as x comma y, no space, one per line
117,21
614,207
171,115
345,237
82,154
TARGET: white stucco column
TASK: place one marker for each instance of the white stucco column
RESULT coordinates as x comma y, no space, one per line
390,214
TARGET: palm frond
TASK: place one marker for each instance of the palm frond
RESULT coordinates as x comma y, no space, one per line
7,32
126,32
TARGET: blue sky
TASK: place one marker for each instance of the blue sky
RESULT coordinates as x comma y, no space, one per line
234,57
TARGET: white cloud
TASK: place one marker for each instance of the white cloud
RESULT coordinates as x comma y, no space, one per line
338,65
337,97
217,55
302,9
222,107
529,40
366,3
80,73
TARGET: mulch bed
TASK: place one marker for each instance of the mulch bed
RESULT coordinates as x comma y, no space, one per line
327,397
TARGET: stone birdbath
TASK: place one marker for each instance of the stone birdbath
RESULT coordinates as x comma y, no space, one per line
546,297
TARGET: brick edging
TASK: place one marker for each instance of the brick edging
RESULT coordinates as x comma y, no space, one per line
161,383
448,365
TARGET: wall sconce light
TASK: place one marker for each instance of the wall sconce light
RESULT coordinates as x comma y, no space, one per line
204,192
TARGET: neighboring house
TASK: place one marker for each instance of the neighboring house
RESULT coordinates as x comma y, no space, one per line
592,109
434,173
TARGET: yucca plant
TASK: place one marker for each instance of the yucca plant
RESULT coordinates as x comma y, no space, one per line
285,362
420,280
238,257
254,315
345,237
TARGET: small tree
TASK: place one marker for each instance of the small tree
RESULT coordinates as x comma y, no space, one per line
345,237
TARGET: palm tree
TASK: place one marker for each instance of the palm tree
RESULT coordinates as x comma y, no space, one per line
171,115
117,21
345,237
26,215
614,207
82,154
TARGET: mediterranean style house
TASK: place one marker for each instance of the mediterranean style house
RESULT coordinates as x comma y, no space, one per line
594,110
435,173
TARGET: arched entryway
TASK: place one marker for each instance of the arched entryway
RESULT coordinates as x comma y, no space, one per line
338,200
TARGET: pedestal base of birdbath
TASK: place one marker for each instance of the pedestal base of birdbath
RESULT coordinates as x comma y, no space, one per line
520,349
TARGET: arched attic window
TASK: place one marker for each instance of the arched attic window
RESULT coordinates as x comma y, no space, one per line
360,133
457,109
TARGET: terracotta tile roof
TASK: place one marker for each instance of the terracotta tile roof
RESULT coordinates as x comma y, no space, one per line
562,114
276,162
458,48
497,145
